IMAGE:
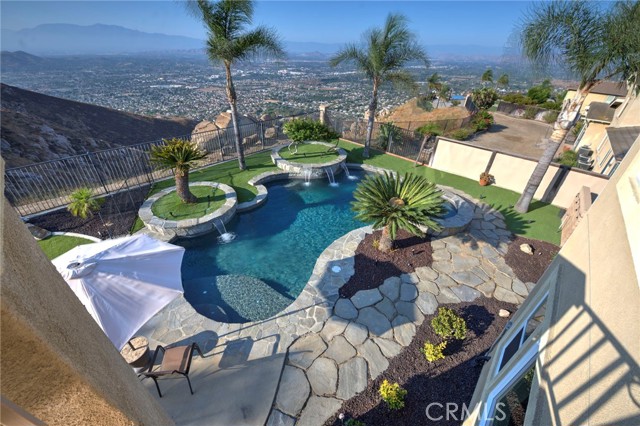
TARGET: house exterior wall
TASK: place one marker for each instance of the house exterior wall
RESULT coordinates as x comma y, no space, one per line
588,346
603,158
628,114
591,97
56,362
592,135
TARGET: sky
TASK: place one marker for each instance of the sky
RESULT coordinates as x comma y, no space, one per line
486,23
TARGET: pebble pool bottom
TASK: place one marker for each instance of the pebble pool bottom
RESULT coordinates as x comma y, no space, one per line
268,264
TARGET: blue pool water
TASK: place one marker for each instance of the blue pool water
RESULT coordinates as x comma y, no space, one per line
457,98
278,243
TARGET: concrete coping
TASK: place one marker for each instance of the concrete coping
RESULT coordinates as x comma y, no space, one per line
75,234
316,169
193,226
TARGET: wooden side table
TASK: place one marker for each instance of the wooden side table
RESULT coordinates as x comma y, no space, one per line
136,352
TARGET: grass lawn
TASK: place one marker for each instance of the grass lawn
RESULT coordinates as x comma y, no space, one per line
56,245
541,222
171,207
309,153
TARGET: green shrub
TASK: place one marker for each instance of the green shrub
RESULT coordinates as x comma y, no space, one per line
425,103
577,128
541,93
551,117
568,158
434,352
305,129
530,113
484,98
461,134
389,130
392,394
518,98
482,121
447,324
354,422
455,103
552,105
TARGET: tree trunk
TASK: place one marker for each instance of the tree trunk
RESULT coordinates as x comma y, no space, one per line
231,97
386,243
182,186
373,105
567,117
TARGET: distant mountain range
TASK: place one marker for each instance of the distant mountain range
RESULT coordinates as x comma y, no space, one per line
70,39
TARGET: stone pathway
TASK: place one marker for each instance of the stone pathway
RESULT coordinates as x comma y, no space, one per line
354,345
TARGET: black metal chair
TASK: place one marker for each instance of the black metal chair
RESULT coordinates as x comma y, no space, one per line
174,361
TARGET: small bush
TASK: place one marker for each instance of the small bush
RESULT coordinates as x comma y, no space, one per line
484,98
530,113
424,103
447,324
389,130
482,121
551,117
305,129
577,128
518,98
434,352
552,105
455,103
568,158
392,394
461,134
354,422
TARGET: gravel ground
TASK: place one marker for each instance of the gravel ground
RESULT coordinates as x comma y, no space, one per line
529,268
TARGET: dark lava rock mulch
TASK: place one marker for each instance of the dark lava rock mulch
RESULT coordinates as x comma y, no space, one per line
450,380
118,212
372,266
527,267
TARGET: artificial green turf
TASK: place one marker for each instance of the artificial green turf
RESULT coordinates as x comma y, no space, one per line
542,222
171,207
309,153
55,245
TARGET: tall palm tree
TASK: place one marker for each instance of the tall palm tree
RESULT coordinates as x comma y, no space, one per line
179,155
595,44
503,81
444,93
228,42
434,82
487,77
383,54
393,203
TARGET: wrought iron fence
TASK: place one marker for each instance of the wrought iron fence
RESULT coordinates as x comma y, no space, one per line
43,186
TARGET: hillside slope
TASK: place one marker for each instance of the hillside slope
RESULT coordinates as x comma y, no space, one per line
37,127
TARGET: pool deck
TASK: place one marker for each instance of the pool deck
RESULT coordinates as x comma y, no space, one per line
298,367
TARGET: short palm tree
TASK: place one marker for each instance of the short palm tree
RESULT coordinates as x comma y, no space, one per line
595,43
503,81
383,54
228,42
487,76
179,155
393,203
434,82
444,93
83,204
429,130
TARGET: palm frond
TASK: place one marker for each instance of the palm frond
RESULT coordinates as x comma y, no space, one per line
262,41
176,154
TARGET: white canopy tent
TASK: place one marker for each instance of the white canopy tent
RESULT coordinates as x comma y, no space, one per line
123,282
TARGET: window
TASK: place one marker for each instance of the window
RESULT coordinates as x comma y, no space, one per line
512,405
606,157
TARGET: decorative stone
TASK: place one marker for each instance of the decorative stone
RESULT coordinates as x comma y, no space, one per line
506,296
464,263
428,286
278,418
376,322
503,313
403,330
340,350
520,288
425,273
333,327
442,254
391,288
530,286
447,296
527,249
305,350
487,288
411,278
411,311
356,333
466,294
445,281
345,309
365,298
466,278
427,303
319,410
352,379
323,376
443,267
387,307
408,292
376,361
293,391
502,280
389,348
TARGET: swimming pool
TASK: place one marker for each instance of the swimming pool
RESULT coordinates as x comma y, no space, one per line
272,257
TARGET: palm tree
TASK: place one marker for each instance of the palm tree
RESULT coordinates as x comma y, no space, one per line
393,203
434,82
429,130
444,93
595,44
487,77
83,204
503,81
386,50
179,155
228,43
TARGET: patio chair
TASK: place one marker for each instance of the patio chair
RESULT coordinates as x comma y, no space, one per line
174,361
